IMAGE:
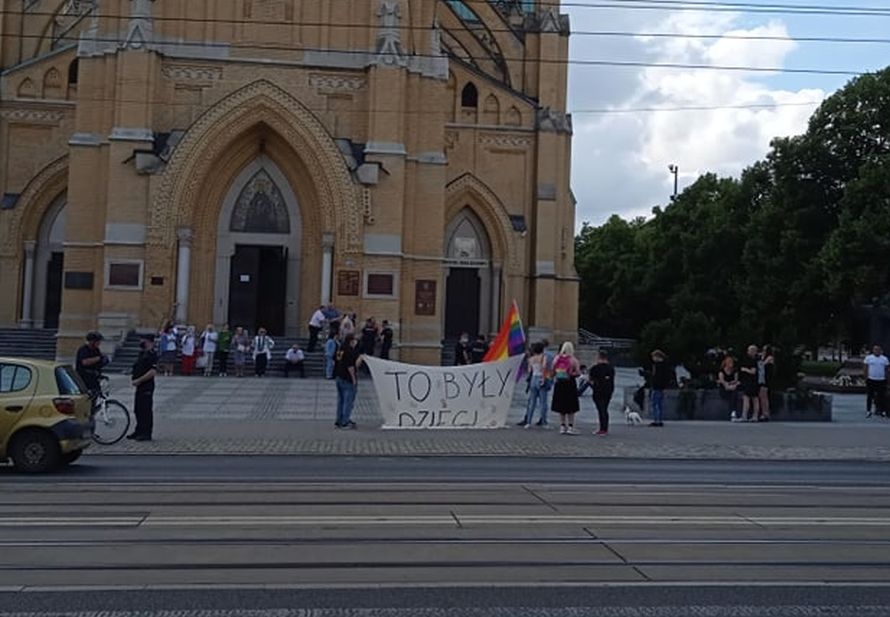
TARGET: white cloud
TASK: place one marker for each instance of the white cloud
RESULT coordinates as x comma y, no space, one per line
620,161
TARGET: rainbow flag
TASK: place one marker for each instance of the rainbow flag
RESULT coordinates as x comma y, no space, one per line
510,341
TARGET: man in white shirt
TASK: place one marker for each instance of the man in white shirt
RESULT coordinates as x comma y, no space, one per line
316,323
293,359
875,369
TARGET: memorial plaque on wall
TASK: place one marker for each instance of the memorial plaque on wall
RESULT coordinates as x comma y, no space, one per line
349,282
78,280
425,297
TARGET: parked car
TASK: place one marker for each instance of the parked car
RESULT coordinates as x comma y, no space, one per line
45,414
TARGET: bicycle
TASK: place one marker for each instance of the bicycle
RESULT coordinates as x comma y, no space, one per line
111,418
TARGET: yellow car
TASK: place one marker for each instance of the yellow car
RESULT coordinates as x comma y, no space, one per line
45,414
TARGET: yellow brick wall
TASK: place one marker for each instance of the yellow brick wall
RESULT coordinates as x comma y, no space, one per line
498,144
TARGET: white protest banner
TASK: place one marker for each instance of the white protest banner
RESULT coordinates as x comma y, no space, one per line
436,397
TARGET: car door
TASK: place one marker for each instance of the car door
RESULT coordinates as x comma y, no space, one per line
17,386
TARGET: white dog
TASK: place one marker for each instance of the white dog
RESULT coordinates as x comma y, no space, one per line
632,417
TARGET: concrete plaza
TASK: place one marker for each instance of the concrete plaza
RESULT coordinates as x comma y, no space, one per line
245,416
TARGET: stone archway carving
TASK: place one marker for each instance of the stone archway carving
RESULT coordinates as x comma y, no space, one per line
339,204
469,190
39,196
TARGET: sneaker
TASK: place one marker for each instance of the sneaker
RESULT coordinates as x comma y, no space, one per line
523,424
572,431
601,433
351,425
541,423
653,424
734,417
868,414
562,429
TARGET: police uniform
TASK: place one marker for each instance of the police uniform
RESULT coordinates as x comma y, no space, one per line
144,403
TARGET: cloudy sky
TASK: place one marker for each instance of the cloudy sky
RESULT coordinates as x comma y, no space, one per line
620,162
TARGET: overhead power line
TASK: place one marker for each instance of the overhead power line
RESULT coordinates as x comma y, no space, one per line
481,110
596,33
637,110
575,33
714,5
541,61
660,5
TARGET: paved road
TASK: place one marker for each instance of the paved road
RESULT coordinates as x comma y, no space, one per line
458,536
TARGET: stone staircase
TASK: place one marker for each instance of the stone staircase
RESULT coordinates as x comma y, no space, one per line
36,344
314,364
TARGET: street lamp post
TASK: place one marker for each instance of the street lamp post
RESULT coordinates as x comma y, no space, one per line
675,171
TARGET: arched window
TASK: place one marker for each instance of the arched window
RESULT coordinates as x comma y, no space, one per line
260,208
470,96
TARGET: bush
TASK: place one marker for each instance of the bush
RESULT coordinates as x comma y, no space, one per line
813,368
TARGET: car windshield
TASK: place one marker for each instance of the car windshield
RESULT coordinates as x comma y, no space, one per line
68,381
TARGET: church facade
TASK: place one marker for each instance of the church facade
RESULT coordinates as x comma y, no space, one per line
244,161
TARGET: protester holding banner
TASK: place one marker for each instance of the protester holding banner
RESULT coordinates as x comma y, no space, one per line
346,364
565,392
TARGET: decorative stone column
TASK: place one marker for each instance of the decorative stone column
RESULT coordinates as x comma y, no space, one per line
184,265
327,267
27,320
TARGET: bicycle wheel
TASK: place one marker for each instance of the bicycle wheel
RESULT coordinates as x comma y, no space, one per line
111,424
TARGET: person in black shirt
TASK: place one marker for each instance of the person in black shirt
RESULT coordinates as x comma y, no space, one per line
602,379
143,375
369,337
90,360
661,381
748,381
479,349
346,363
386,335
462,350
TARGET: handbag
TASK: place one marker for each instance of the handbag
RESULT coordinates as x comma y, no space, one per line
201,362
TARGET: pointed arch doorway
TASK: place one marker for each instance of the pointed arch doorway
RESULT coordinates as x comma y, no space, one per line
49,259
258,252
472,278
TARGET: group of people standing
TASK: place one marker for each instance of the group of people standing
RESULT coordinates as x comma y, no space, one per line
210,350
376,338
569,380
749,380
343,352
466,352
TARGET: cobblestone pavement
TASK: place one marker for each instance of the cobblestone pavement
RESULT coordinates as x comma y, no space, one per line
275,416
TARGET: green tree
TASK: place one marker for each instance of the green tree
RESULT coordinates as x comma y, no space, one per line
783,254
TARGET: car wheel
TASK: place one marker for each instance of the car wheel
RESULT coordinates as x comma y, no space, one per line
35,451
70,457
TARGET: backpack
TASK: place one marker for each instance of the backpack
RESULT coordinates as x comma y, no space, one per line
562,368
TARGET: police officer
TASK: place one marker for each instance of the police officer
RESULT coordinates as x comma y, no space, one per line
144,371
90,361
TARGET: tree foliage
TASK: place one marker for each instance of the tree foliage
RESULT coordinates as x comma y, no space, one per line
783,254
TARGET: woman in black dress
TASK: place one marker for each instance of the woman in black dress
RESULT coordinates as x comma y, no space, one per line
566,369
